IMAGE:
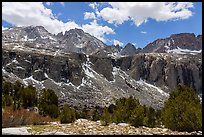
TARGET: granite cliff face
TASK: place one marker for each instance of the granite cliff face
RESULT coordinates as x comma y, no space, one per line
100,76
78,79
167,70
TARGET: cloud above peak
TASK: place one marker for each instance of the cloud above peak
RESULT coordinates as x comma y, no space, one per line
98,31
39,15
139,12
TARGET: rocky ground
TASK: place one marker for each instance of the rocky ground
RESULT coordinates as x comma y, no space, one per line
86,127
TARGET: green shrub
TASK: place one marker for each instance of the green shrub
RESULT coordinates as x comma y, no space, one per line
105,118
182,111
150,117
123,109
67,115
97,113
137,116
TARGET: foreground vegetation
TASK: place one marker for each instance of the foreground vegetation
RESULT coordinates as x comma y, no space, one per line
181,112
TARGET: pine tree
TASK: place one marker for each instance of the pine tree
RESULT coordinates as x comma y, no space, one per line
67,115
7,88
28,96
182,111
48,103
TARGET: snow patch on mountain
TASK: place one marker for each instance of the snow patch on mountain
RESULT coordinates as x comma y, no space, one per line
200,97
145,84
19,67
81,45
39,83
184,51
88,71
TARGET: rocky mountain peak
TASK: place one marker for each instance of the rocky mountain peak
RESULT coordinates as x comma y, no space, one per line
186,41
129,49
183,43
74,40
130,46
183,35
34,34
74,31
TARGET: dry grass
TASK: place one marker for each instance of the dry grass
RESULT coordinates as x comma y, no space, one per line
22,117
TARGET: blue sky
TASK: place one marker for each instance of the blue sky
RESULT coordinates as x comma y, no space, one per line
113,23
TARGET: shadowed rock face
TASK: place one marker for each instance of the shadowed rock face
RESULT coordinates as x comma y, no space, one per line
67,68
103,66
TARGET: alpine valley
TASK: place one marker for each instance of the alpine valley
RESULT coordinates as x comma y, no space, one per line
85,72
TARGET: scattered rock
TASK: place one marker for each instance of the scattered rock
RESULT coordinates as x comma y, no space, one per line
123,124
87,127
15,131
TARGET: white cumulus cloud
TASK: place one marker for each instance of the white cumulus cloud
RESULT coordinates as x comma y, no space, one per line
93,5
89,15
38,15
98,31
116,42
140,12
113,15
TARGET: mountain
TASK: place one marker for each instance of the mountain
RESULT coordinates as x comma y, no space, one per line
74,40
129,50
35,35
93,74
183,43
117,51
